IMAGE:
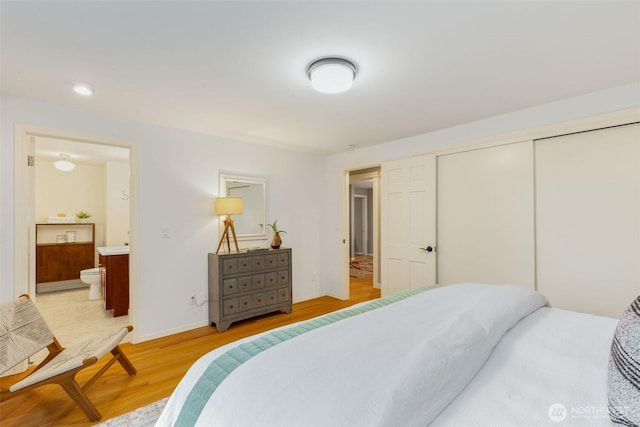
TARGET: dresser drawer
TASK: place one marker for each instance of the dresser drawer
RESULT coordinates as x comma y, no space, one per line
271,297
237,284
271,261
230,306
258,281
271,279
230,287
257,262
282,259
245,265
283,277
259,300
245,283
284,295
229,266
245,303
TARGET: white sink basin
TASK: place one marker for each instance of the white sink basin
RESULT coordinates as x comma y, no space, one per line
113,250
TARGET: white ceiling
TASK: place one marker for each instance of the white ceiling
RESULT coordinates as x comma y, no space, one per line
238,69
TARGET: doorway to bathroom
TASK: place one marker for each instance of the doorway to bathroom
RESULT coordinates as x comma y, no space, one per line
81,204
100,189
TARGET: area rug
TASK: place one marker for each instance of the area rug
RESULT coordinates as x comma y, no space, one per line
361,266
141,417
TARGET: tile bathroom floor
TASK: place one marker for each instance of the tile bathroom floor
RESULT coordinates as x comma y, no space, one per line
72,316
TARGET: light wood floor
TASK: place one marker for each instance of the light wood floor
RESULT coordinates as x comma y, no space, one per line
161,363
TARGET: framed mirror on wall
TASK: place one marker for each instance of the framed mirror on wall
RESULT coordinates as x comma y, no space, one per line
251,225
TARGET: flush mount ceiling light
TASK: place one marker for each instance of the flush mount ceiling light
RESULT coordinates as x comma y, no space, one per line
64,164
83,89
331,75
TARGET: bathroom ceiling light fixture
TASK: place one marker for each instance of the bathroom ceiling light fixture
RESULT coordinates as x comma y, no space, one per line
83,89
64,164
332,75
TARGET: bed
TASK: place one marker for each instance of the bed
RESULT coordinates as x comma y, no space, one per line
458,355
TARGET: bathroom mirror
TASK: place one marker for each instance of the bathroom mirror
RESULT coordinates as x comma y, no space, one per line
253,191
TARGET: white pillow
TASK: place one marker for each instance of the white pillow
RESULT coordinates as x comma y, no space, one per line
624,369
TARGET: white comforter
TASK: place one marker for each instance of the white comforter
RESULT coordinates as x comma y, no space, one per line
552,360
397,365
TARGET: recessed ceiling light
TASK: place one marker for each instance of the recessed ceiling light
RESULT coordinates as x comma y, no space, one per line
331,75
83,89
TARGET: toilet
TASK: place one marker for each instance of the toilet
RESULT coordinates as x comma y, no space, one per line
91,276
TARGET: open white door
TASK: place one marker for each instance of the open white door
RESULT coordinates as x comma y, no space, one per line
408,224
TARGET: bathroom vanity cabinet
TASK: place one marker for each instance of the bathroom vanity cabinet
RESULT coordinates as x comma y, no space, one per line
248,284
114,283
63,260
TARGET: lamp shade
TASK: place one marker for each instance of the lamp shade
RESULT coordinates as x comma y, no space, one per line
228,206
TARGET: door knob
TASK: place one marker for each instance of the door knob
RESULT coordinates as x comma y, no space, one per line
428,249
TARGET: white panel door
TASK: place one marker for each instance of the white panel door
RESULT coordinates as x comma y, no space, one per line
408,224
588,220
485,216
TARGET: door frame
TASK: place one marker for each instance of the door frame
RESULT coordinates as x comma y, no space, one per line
367,171
24,203
365,223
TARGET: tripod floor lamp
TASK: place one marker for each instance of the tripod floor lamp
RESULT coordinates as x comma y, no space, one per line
228,206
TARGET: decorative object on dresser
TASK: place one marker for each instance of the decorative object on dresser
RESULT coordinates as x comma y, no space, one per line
249,284
83,216
277,240
228,206
62,251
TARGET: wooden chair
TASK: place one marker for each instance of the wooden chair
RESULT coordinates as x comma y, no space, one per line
23,333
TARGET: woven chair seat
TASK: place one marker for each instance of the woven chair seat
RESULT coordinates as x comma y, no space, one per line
73,357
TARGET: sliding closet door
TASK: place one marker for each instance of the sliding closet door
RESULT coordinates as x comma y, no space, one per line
485,216
588,219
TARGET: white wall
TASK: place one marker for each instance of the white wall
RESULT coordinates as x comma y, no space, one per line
117,197
69,192
332,234
178,180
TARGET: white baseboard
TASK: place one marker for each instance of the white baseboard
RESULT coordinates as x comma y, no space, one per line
166,333
307,298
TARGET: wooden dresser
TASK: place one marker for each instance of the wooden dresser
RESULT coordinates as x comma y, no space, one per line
248,284
58,261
